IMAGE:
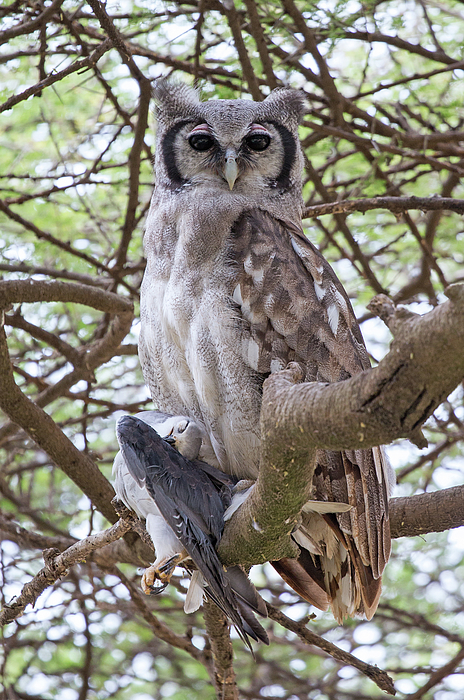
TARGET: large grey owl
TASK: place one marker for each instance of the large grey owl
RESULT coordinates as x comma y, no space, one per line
233,290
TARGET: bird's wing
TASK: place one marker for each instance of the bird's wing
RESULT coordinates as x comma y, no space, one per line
129,491
191,505
223,482
169,478
291,307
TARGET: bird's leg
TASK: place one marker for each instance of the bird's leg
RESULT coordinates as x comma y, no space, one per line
159,571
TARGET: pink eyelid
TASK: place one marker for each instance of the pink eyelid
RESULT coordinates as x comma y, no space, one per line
201,129
258,129
206,129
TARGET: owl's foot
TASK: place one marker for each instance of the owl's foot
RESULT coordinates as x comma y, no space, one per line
156,578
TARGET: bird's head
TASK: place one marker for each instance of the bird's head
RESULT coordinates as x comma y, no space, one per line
233,145
186,436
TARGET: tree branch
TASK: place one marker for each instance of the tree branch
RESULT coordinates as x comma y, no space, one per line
27,414
233,18
32,25
390,401
217,628
397,205
427,512
87,62
57,565
381,678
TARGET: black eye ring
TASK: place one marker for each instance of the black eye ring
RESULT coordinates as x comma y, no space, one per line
258,142
201,142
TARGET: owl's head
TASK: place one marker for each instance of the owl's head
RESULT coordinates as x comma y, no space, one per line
234,145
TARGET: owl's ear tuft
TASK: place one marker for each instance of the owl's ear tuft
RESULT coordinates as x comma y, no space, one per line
289,103
173,98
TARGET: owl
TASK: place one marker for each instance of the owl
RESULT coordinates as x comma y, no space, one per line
233,291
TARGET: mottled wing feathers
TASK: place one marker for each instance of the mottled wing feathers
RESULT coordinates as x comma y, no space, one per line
293,308
292,305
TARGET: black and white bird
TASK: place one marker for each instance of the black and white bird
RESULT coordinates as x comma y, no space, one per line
183,501
233,291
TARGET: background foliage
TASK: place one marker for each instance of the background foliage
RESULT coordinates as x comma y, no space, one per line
385,90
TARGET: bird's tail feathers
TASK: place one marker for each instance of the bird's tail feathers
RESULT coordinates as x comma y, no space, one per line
245,590
251,625
334,576
243,619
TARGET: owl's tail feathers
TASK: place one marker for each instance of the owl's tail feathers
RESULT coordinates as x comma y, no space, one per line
340,581
369,587
301,574
248,602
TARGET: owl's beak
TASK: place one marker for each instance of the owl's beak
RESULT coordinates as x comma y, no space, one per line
230,168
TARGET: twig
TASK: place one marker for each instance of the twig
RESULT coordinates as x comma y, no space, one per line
56,77
380,678
57,565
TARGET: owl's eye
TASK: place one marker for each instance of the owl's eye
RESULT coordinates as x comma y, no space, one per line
201,142
258,142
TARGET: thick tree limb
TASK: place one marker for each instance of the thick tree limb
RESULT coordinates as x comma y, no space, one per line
427,512
424,365
397,205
